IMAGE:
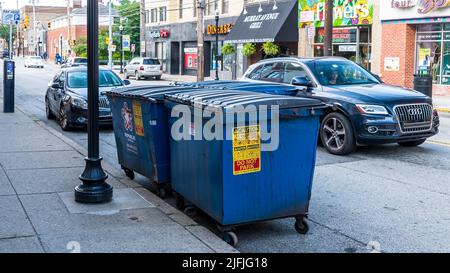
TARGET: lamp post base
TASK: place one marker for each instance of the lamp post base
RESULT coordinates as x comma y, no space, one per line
94,189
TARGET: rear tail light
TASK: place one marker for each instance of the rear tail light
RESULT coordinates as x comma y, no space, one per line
141,68
160,67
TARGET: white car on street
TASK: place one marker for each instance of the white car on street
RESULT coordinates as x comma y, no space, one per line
143,68
34,61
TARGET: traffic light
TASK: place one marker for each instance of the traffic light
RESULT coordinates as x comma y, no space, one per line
49,25
26,22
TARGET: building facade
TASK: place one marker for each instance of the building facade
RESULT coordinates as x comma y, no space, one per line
58,40
171,33
356,33
33,36
416,40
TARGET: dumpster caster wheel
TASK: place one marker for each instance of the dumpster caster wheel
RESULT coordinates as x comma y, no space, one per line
190,211
301,226
230,238
161,192
179,200
129,173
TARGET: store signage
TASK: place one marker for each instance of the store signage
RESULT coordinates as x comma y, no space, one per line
391,64
347,48
414,9
340,35
222,29
429,37
346,13
190,57
257,20
402,4
161,33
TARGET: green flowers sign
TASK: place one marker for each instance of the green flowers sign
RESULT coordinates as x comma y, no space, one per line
346,12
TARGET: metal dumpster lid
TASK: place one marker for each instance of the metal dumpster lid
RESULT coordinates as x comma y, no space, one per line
228,99
149,92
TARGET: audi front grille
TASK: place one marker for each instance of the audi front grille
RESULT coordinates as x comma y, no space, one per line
414,118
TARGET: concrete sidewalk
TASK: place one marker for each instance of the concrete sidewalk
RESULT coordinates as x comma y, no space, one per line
39,169
442,103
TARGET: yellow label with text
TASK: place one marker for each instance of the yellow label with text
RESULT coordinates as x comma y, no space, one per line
246,150
137,114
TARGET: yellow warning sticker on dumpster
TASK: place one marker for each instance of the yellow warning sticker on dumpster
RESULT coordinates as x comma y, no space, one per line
138,124
246,150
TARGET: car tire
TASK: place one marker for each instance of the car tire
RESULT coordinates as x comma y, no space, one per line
48,112
125,74
158,78
137,76
63,122
336,134
413,143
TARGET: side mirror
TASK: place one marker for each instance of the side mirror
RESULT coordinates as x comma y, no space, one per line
377,77
301,81
56,86
126,82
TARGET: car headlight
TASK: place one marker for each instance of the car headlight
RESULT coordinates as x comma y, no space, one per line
79,102
372,109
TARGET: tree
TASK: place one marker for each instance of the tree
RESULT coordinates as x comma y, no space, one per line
131,25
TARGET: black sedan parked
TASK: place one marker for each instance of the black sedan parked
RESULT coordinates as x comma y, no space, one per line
66,96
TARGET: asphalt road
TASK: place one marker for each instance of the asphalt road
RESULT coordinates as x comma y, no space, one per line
383,198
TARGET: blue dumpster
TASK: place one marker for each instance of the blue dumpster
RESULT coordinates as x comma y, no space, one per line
261,87
235,180
141,131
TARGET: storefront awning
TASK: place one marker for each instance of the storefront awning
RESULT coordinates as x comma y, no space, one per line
266,23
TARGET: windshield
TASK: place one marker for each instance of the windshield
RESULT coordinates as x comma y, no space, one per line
340,72
78,79
151,61
80,61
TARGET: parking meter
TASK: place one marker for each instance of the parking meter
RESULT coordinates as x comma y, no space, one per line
8,86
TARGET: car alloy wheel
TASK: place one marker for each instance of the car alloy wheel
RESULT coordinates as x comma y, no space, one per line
48,112
337,135
334,134
63,122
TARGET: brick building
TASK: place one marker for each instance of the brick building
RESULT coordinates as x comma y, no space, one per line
31,36
416,39
58,35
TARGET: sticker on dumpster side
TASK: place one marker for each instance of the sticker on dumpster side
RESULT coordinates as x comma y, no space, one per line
246,150
138,124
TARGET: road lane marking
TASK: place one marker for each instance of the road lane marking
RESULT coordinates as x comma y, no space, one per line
439,142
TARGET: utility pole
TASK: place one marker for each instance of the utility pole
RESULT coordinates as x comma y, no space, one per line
93,188
69,27
110,61
200,41
34,25
328,39
121,46
18,33
142,34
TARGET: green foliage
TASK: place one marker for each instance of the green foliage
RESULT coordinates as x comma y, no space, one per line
81,47
270,49
129,12
248,49
228,49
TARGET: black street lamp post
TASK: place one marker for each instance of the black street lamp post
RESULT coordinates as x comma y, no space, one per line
93,188
121,49
217,46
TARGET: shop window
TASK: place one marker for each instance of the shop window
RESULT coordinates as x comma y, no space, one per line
213,55
225,6
429,27
162,14
180,9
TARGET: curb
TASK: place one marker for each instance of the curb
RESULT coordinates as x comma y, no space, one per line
203,234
